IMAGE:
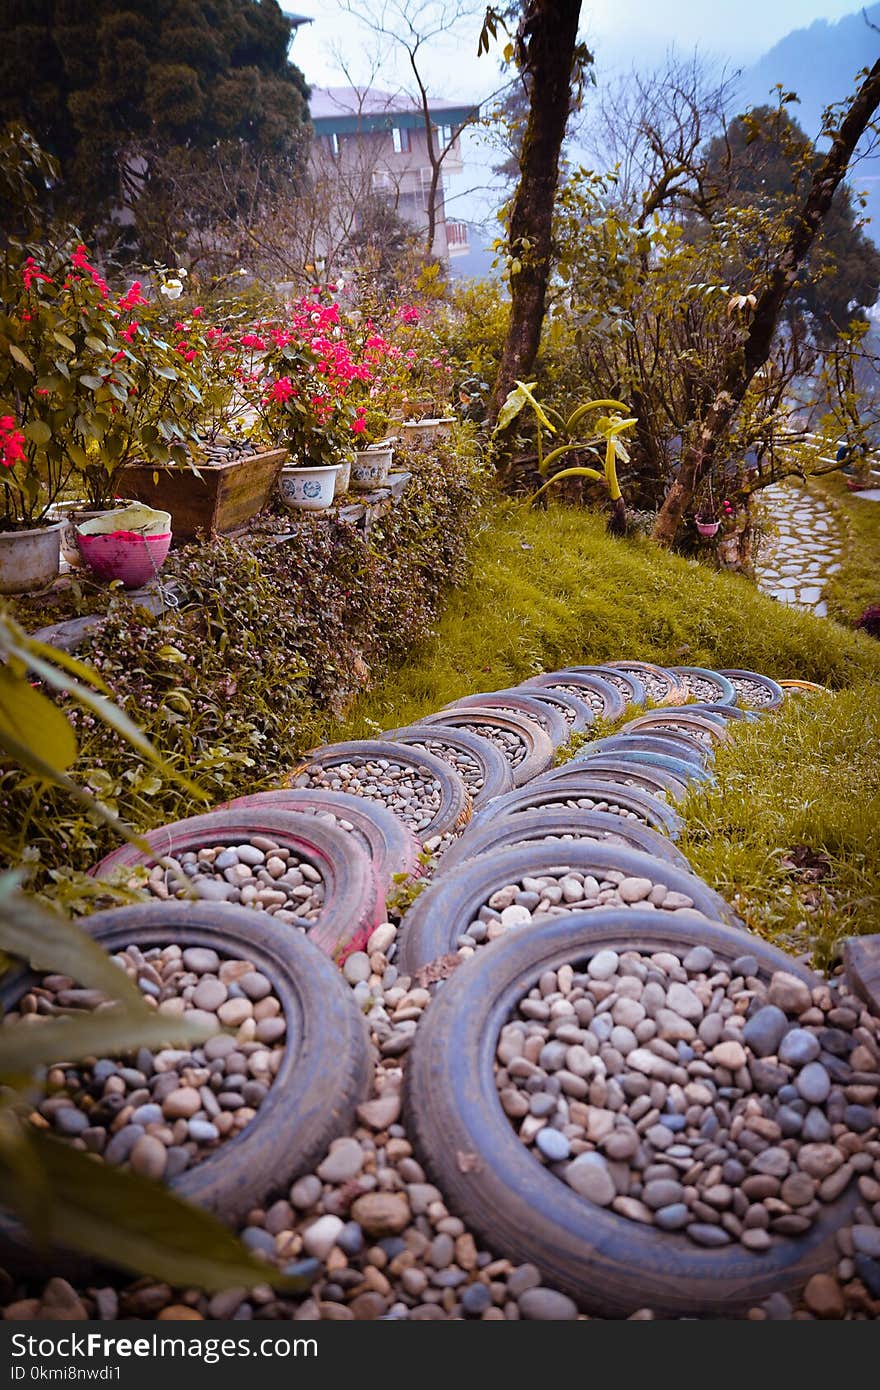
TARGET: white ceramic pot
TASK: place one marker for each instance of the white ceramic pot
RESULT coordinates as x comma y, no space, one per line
343,478
308,489
370,469
29,560
425,431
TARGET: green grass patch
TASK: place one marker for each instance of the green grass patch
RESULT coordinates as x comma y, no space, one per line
803,783
856,584
551,588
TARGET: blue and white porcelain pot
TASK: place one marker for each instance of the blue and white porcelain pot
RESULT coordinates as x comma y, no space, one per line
308,488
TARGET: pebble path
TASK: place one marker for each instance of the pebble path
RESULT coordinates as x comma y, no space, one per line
794,564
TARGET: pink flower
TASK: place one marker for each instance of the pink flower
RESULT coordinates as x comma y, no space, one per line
197,312
79,259
359,424
281,390
134,297
11,442
129,332
253,340
32,272
409,314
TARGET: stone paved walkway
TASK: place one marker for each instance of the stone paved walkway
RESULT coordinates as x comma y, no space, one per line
795,564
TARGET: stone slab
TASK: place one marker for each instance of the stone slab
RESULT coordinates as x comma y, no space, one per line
861,963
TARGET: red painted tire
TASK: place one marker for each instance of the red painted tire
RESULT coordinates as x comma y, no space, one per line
349,906
611,1266
706,728
443,912
455,804
393,849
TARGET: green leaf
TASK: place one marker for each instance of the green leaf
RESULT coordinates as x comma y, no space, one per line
108,1033
28,716
139,1225
50,942
95,343
94,383
20,357
510,409
65,342
70,663
38,431
527,388
171,655
167,373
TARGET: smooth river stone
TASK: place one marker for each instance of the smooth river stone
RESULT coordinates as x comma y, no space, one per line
763,1032
589,1176
813,1083
798,1047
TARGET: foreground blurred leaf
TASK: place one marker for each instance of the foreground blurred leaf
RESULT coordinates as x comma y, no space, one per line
104,1034
139,1225
34,721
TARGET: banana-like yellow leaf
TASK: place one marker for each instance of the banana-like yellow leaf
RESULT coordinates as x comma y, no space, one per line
34,721
47,941
577,415
527,388
563,449
593,473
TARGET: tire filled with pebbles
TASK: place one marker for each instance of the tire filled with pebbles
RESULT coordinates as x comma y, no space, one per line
603,698
754,691
308,874
587,794
561,827
256,1105
526,886
522,742
622,1204
426,793
482,767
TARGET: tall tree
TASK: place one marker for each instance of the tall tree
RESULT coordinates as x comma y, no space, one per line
103,83
741,362
548,54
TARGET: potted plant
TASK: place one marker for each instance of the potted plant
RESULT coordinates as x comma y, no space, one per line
194,456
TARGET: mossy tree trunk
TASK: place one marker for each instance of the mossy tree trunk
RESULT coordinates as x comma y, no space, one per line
547,51
743,361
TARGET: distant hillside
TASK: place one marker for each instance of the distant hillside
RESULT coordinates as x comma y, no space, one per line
820,64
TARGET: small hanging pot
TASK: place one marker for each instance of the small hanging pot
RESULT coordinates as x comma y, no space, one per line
708,528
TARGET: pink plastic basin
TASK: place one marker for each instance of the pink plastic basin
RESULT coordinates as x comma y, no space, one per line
125,555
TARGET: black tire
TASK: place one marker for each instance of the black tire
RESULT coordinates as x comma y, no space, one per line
539,748
626,682
604,699
576,712
696,677
543,824
518,702
680,746
455,806
647,809
350,883
771,694
442,913
522,1211
729,713
685,771
708,729
324,1075
661,686
495,771
610,769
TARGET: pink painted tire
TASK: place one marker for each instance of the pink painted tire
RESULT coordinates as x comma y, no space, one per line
349,908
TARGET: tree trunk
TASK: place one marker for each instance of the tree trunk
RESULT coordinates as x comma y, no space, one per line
546,44
745,360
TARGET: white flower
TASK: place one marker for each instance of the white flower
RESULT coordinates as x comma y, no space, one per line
182,273
172,289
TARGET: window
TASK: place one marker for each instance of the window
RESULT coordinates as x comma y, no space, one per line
400,139
444,136
332,143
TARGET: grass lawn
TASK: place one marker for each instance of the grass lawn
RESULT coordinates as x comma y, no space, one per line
550,588
857,582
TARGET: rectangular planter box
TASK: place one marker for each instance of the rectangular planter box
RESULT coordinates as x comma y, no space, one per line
223,497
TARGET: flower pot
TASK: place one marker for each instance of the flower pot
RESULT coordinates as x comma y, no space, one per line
220,497
130,544
708,528
423,432
73,514
343,478
370,469
308,489
29,559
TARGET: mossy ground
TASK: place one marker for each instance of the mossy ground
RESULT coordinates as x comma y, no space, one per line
551,588
856,585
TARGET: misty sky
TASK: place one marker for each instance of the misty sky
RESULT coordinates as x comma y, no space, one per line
620,31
